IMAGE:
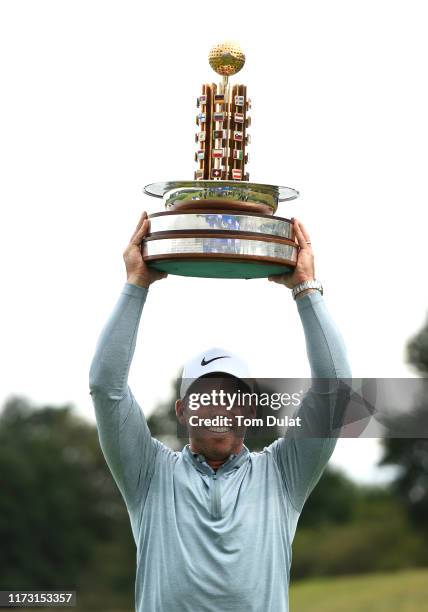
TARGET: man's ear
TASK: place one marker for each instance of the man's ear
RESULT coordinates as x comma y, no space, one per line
180,408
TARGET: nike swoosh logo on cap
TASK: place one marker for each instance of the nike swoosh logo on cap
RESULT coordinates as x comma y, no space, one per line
204,363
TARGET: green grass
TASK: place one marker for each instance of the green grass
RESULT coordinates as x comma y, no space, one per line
404,591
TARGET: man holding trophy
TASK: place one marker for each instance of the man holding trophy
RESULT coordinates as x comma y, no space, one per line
214,523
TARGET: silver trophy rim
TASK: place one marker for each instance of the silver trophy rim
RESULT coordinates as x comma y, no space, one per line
283,194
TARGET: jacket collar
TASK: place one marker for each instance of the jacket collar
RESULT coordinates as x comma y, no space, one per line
233,462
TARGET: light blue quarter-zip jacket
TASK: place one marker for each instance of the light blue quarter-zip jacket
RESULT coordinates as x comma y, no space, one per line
212,541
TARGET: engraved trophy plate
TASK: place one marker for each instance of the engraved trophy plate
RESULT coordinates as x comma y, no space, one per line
221,225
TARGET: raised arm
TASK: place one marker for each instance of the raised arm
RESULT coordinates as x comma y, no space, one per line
125,439
303,454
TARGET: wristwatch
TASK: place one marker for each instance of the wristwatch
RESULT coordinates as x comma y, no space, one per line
308,284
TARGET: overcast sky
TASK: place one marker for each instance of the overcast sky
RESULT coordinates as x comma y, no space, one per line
98,100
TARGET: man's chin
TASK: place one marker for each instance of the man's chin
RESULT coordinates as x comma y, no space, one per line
217,445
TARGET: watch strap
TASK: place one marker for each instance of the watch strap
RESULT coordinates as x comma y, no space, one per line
308,284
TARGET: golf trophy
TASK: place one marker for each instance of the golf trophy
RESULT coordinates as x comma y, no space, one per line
220,225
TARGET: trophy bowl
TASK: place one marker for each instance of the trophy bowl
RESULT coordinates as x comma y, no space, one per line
220,244
239,195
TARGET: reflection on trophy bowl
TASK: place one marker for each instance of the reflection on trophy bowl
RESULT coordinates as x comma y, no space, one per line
233,205
176,193
229,195
220,244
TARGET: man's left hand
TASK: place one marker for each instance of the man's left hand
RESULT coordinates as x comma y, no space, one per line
305,267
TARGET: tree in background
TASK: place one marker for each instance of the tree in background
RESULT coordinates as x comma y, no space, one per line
63,523
409,454
417,350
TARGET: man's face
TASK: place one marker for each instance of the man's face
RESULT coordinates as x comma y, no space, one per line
219,399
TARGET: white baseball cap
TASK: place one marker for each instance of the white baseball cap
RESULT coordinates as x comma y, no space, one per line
211,361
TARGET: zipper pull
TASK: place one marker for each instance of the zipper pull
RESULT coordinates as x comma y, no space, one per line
215,498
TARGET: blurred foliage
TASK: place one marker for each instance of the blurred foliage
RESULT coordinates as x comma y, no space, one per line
378,537
62,520
334,501
409,454
417,350
411,483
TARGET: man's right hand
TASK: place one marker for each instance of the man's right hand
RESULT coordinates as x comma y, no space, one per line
138,273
